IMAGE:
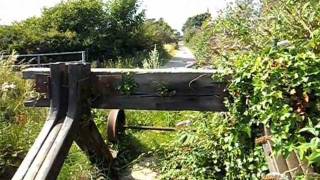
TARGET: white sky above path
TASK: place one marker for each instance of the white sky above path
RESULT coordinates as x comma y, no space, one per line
175,12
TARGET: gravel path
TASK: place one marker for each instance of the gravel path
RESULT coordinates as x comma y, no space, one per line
183,59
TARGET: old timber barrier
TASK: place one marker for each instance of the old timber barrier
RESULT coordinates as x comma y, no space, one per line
71,90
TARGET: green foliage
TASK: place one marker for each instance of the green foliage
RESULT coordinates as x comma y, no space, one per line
77,166
128,85
207,151
106,30
194,23
18,125
270,53
142,143
159,32
153,62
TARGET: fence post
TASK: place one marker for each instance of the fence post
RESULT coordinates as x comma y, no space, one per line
83,56
38,61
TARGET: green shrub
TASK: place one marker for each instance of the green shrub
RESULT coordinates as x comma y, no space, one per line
19,126
270,54
153,61
207,150
105,29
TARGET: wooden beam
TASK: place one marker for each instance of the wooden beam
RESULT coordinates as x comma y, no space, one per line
31,72
91,142
88,137
153,89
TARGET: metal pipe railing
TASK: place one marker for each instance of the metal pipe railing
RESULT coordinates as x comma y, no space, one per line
38,56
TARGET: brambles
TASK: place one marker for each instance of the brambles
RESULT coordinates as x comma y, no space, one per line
270,51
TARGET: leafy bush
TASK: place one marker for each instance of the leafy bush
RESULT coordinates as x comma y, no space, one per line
270,53
18,125
208,151
158,32
193,24
106,30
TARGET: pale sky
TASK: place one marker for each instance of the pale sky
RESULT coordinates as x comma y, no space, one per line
175,12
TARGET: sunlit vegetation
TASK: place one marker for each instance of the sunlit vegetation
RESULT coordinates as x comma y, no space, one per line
267,51
106,30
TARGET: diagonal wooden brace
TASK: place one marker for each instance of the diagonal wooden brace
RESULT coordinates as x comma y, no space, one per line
58,108
46,157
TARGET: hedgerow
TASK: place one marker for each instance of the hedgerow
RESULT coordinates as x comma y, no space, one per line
268,52
208,150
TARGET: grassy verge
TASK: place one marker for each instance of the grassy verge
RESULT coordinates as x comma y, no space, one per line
171,49
163,55
19,127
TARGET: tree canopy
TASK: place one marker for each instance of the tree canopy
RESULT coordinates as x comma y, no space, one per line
106,29
193,24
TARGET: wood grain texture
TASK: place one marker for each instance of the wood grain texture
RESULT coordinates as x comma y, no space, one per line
88,137
55,158
30,72
156,89
294,165
45,148
57,110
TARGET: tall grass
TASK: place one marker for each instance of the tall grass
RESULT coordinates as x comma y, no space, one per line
153,61
19,127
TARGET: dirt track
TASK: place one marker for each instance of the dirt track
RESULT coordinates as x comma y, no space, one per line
183,58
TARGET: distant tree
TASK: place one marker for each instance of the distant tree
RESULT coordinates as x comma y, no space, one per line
193,24
106,29
124,23
159,32
195,21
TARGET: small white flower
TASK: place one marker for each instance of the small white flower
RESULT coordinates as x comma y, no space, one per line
284,44
7,86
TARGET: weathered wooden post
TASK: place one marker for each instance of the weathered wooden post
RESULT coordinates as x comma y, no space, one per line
281,167
57,112
69,120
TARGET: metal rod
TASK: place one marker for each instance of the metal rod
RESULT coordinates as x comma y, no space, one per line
150,128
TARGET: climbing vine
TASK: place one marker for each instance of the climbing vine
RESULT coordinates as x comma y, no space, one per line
269,53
